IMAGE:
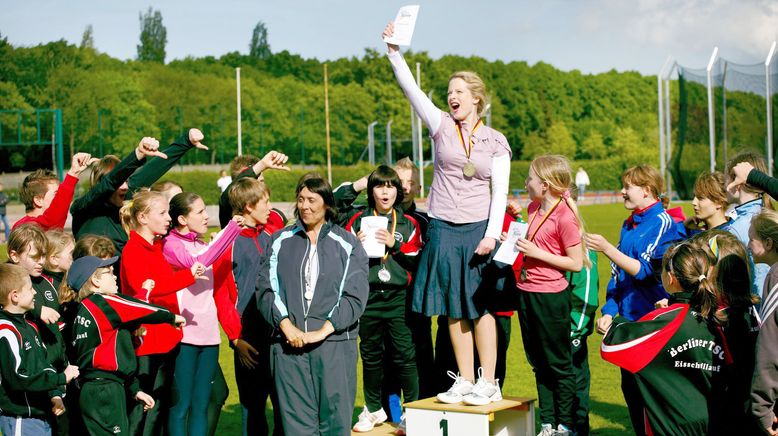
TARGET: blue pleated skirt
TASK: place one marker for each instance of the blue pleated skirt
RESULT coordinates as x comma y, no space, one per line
448,278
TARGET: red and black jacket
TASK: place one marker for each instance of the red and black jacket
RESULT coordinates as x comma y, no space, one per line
102,343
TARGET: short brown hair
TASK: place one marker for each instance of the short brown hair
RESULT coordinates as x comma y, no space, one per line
646,176
102,167
755,159
12,278
246,192
22,236
35,185
240,163
711,186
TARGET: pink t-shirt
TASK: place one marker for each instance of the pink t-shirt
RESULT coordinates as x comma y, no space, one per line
454,197
557,233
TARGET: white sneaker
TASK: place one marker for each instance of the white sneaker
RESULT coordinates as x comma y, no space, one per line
458,390
546,430
369,420
561,430
401,428
484,392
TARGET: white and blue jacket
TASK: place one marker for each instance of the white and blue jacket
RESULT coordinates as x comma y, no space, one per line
642,239
341,289
739,227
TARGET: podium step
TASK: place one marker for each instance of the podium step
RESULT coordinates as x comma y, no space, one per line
384,429
513,416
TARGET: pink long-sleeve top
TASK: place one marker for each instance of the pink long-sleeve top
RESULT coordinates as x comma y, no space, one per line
196,302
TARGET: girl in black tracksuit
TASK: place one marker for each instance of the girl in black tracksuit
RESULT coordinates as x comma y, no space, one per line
389,277
690,353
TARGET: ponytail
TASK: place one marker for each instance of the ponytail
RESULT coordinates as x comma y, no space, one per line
140,203
693,268
570,201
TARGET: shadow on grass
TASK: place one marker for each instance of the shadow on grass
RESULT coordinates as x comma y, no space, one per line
230,420
616,417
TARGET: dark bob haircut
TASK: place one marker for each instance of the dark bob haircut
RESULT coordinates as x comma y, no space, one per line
384,176
316,184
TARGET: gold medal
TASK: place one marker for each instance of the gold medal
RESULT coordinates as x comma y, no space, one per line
469,169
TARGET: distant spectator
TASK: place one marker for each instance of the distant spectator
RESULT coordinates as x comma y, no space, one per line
224,180
582,181
3,202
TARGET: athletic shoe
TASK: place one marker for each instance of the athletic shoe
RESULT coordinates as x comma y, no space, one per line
369,420
562,430
458,390
484,392
547,430
401,428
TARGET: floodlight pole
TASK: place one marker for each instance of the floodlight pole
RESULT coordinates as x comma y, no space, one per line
661,115
768,98
711,119
389,142
371,143
668,127
240,142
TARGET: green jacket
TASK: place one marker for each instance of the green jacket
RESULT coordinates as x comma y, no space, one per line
584,299
27,380
94,214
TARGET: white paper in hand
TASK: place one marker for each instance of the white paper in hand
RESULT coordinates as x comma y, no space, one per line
370,225
507,253
404,24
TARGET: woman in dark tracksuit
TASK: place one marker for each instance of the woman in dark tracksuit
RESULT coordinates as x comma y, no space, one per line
313,288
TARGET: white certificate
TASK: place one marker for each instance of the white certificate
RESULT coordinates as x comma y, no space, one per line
404,24
369,226
507,253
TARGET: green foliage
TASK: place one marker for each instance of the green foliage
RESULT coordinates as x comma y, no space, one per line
153,37
259,47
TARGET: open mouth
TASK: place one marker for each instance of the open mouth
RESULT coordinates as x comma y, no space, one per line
454,105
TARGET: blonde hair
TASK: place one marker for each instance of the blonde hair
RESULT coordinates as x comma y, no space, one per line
89,245
141,203
554,170
56,240
476,87
87,289
407,164
758,162
647,177
765,226
12,278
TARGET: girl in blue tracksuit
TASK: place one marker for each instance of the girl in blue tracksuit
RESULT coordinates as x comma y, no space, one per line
634,289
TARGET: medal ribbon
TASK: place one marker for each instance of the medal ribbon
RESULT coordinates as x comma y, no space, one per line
543,220
394,227
469,148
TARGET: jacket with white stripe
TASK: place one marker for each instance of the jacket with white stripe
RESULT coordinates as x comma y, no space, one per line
27,379
584,298
341,289
641,237
102,343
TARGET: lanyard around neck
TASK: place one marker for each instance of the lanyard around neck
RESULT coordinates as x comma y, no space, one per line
548,214
469,147
394,227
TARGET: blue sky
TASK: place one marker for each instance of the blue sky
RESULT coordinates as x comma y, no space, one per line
588,35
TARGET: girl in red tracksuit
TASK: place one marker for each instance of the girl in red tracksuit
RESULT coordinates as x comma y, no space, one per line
146,218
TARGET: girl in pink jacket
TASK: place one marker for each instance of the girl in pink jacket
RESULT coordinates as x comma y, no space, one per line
198,355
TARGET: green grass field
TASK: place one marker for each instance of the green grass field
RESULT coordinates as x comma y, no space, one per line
608,413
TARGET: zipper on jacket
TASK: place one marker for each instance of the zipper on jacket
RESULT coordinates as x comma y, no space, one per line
302,285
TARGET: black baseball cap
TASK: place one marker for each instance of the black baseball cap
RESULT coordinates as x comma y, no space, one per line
83,268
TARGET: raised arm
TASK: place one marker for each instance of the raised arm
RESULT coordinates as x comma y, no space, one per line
156,168
178,256
423,106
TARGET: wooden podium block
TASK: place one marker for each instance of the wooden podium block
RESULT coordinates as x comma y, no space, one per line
512,416
385,429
